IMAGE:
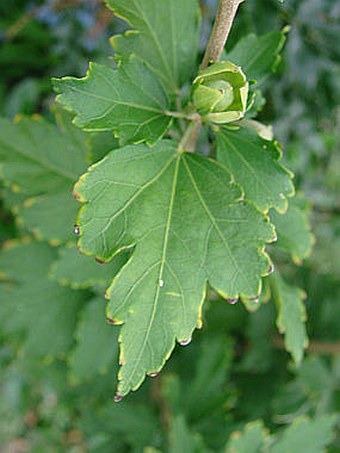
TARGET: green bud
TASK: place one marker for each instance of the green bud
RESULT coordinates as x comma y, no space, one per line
220,93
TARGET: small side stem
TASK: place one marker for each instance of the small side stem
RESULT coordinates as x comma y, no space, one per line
184,144
224,19
191,137
190,117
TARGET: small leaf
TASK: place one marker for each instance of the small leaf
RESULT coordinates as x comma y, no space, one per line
101,143
258,56
128,100
316,378
120,427
291,316
79,271
44,311
165,35
206,392
42,163
293,230
96,349
254,164
251,439
182,215
182,440
304,434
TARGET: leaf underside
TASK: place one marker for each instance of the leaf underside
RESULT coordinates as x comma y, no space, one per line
182,216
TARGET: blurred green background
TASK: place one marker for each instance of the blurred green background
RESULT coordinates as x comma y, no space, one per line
239,376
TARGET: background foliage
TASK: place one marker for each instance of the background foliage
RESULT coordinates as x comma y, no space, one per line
245,394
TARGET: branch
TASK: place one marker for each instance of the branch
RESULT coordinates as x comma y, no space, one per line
224,19
315,346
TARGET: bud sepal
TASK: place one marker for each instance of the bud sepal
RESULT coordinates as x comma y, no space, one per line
220,93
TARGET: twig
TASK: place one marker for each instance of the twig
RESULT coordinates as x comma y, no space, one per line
189,140
224,19
317,347
161,403
190,137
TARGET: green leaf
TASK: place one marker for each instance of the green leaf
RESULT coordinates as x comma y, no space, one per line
206,392
291,316
253,305
293,230
304,434
79,271
164,35
258,329
251,439
30,303
115,426
182,215
316,377
101,143
182,440
42,163
128,100
254,164
258,56
96,350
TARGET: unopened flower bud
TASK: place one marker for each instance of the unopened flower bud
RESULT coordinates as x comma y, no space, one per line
220,93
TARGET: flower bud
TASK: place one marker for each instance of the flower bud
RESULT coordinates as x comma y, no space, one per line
220,93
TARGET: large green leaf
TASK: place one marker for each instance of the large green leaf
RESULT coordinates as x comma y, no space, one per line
291,316
128,100
30,303
41,163
293,230
182,440
206,392
251,439
184,218
304,434
165,35
128,427
258,56
254,164
96,350
202,385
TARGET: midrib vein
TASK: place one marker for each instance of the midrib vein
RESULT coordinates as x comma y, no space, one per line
161,269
